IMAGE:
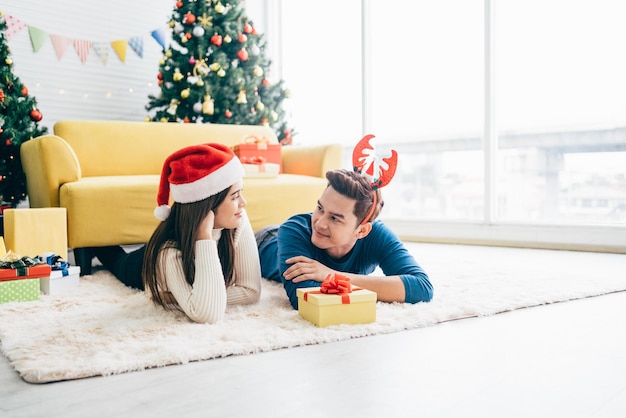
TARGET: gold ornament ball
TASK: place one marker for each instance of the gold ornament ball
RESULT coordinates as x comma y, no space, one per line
215,66
200,83
185,93
221,73
8,61
258,71
260,106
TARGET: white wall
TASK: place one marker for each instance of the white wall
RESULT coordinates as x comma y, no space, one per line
69,89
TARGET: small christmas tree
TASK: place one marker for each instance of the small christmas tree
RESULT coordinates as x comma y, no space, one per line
214,70
19,119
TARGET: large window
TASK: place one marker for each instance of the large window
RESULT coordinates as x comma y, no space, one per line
561,111
509,116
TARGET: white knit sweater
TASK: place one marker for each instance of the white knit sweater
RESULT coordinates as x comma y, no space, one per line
206,300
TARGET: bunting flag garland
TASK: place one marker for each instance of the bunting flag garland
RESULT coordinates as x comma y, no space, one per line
136,44
102,51
120,49
161,36
82,48
14,26
60,44
37,37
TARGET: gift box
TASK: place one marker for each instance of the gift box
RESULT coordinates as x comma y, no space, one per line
261,170
30,272
60,281
19,290
33,231
323,309
258,149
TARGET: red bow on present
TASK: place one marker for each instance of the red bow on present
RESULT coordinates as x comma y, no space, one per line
251,139
336,284
253,160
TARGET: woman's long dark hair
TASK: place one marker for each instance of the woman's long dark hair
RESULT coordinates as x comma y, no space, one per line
180,231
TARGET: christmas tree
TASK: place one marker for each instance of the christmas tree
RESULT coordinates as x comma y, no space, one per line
215,71
19,119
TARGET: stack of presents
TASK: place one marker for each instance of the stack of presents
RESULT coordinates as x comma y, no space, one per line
259,157
33,254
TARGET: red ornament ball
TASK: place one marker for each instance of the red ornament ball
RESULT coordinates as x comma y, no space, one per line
8,142
247,28
179,4
216,39
190,18
24,91
243,55
35,115
228,114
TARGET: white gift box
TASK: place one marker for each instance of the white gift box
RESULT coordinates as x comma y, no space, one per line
261,170
58,283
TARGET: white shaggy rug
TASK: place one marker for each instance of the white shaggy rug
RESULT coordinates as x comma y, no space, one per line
104,328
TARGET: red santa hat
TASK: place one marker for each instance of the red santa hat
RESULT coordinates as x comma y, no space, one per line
194,173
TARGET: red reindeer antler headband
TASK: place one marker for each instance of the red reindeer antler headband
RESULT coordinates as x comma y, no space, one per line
365,160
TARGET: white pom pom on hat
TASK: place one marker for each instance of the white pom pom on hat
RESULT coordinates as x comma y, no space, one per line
194,173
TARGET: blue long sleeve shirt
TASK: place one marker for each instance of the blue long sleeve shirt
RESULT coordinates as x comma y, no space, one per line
380,248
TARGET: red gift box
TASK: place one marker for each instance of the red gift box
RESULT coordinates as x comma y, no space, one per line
253,149
32,272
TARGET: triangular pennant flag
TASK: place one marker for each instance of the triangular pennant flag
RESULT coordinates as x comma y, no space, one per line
162,36
82,48
136,44
102,50
60,44
37,37
14,25
120,49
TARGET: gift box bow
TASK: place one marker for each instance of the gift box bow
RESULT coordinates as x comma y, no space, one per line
253,160
252,139
56,262
261,143
13,261
335,284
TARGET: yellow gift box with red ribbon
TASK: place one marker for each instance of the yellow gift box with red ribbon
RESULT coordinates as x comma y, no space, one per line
336,302
259,153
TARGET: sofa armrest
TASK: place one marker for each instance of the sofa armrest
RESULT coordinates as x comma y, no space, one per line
48,162
313,160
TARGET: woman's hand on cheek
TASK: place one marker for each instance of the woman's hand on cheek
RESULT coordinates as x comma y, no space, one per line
205,230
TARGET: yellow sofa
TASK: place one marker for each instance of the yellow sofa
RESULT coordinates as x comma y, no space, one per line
106,173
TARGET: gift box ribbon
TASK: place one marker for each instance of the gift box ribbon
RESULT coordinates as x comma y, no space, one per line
251,139
335,284
11,261
56,262
253,160
261,143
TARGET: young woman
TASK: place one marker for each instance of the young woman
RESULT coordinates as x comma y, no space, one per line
203,255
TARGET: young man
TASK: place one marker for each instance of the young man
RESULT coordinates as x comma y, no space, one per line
342,236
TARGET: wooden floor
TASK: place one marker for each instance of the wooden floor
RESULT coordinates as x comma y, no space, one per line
561,360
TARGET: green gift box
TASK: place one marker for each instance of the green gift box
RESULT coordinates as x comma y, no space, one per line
19,290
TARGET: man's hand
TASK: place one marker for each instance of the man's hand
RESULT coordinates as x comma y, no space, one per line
303,268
